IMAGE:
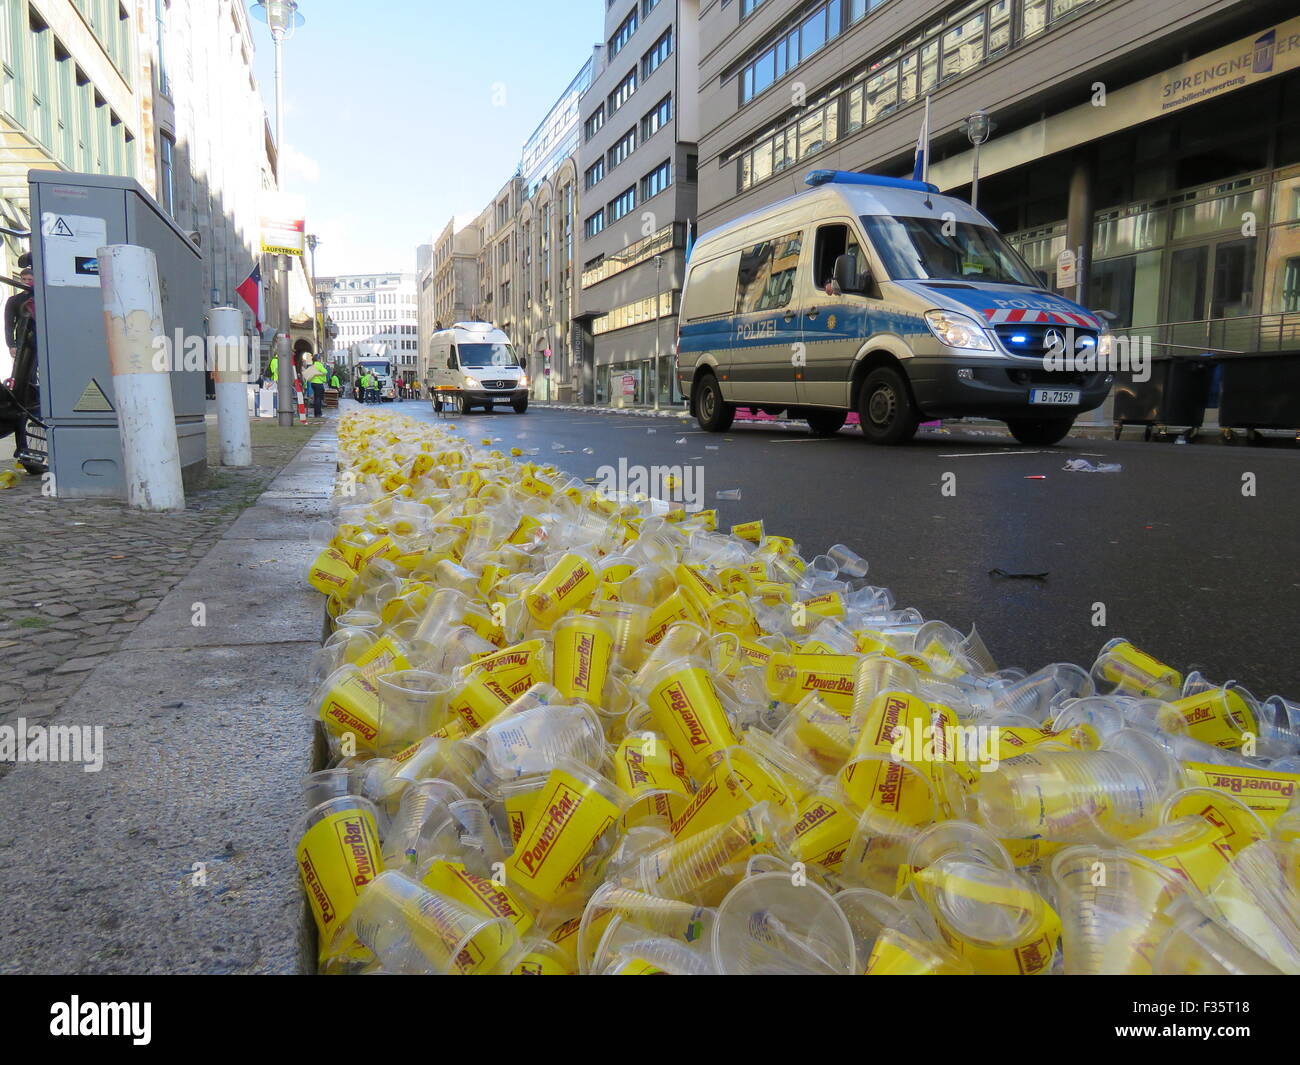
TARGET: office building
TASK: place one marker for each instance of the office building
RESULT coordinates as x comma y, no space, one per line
637,159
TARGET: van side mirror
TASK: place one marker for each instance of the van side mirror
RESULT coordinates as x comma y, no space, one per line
848,277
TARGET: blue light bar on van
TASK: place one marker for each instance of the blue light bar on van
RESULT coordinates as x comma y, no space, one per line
849,177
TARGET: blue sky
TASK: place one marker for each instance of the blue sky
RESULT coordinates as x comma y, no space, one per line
395,117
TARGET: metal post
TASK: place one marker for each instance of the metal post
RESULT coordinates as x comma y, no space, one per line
225,327
285,403
975,179
659,265
146,418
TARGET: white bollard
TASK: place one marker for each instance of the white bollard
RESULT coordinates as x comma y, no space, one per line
146,419
226,328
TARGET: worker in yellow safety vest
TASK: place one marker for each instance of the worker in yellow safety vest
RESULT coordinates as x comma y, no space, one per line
314,375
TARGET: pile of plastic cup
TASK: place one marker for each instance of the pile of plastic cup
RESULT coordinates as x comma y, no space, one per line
575,733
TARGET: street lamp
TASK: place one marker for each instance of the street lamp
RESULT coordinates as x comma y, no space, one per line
282,19
659,265
977,128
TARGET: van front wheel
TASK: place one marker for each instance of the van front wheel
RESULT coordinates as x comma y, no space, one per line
885,408
1040,432
713,414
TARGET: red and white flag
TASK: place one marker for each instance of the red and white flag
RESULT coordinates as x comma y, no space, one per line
250,291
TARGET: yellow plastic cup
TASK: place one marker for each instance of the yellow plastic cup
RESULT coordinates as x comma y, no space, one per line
790,677
1126,669
454,880
1221,717
568,585
348,703
823,826
338,855
331,574
570,815
584,648
737,782
685,708
1268,792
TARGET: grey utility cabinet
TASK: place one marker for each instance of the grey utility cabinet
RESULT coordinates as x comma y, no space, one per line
72,216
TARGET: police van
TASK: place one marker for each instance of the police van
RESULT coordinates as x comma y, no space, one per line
472,364
881,296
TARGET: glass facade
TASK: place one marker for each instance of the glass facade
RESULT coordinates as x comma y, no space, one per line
946,49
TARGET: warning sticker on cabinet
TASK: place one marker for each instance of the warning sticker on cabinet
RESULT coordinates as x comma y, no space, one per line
71,244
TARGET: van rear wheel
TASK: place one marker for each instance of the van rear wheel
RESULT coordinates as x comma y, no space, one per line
1042,432
826,422
711,411
885,408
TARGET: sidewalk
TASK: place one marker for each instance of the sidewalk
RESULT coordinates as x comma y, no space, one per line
173,857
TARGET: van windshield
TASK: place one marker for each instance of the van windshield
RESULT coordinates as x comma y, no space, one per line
486,355
938,250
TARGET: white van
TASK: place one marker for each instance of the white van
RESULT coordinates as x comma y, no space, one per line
472,364
881,296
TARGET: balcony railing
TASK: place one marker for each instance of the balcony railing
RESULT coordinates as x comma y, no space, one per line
1243,335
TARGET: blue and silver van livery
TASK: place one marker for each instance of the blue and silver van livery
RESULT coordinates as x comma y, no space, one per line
881,296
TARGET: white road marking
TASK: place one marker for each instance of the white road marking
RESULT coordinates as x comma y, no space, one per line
981,454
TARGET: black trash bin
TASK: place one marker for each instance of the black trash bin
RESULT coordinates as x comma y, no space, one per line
1260,392
1174,395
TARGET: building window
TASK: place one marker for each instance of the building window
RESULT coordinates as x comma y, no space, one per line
594,223
644,310
655,120
625,146
594,121
622,204
657,180
659,51
594,173
622,91
647,6
160,17
623,34
167,172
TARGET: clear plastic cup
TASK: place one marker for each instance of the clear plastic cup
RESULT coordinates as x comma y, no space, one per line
1035,695
420,827
1069,795
538,739
1113,905
1259,899
413,930
704,866
1197,944
996,921
875,675
771,925
412,703
673,919
848,563
962,838
870,913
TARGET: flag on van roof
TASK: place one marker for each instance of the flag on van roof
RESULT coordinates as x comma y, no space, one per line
690,238
921,165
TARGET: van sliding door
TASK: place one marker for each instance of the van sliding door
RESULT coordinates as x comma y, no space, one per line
766,325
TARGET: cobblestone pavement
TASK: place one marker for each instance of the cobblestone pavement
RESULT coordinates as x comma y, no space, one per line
79,575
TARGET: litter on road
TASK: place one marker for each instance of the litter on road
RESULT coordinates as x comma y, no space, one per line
579,733
1084,466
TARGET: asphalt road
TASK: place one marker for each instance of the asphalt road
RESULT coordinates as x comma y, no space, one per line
1187,566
